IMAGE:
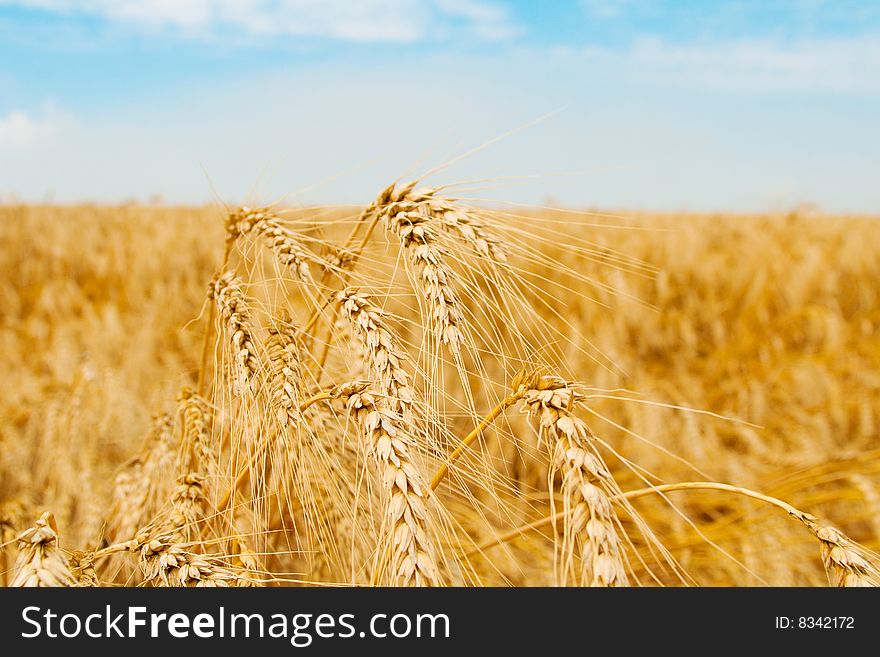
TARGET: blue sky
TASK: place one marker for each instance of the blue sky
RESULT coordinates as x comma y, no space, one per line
642,104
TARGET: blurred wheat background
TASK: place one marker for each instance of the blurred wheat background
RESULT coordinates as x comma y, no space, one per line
741,349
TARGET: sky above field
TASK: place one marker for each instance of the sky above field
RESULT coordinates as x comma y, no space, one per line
655,104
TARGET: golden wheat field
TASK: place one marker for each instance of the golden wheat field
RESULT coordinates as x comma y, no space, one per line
420,392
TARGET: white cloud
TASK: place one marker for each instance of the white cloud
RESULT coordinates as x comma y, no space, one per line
834,65
490,21
657,146
20,130
361,20
831,65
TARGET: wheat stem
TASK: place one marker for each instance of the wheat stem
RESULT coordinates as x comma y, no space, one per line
209,331
242,476
843,563
466,442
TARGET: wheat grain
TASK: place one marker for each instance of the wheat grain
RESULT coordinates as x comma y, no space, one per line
82,568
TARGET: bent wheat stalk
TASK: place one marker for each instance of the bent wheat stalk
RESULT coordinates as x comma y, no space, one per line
846,563
474,435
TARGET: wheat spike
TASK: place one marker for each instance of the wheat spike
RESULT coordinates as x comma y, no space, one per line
414,227
188,506
285,372
586,483
39,562
166,562
142,486
288,251
197,452
226,290
846,563
384,416
465,223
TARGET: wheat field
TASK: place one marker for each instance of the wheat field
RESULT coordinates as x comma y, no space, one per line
422,392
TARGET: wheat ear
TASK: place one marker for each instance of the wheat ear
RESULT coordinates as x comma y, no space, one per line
586,484
414,228
463,222
166,562
287,249
232,307
385,419
197,452
843,561
141,487
285,372
40,563
188,505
